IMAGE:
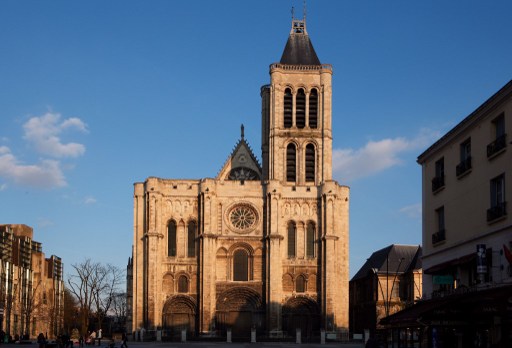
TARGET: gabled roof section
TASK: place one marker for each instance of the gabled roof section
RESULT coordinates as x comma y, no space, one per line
392,259
242,164
299,49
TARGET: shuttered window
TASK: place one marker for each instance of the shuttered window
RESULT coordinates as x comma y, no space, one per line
300,107
171,238
288,108
240,266
292,236
310,162
291,161
313,109
191,239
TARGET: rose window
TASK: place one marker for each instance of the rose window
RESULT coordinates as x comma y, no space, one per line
243,217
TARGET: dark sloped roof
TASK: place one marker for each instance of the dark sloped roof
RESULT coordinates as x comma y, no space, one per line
299,51
393,259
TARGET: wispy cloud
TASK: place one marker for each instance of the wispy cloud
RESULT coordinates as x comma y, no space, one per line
89,200
43,132
3,187
377,156
46,174
413,211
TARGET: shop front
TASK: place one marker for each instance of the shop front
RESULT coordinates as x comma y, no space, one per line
470,317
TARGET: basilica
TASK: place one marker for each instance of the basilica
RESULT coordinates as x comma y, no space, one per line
263,245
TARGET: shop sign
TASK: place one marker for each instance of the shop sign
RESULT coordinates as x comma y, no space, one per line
443,279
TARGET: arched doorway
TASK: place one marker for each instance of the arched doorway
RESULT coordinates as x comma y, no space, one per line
179,313
301,313
240,309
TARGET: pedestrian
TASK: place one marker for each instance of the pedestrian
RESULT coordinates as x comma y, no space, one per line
41,340
124,339
99,337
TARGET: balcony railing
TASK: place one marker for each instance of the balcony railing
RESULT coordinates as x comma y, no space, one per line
439,236
497,145
463,166
437,183
497,211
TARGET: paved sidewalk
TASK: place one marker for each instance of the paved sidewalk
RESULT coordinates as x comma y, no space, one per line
203,344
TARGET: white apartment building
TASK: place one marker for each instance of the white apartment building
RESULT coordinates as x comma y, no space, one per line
465,191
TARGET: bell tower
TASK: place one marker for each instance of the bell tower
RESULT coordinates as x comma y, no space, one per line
306,211
296,115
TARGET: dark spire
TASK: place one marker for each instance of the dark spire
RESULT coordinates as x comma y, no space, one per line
299,49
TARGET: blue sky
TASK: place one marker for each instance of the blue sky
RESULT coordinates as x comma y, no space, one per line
96,95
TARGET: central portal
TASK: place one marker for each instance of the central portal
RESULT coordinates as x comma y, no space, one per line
239,309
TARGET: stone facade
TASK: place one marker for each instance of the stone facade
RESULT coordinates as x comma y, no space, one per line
259,246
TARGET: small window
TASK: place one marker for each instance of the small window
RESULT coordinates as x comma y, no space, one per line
440,234
240,265
300,284
292,236
300,113
498,203
438,180
291,161
310,163
465,158
440,218
183,284
191,240
288,108
500,139
313,109
171,238
310,240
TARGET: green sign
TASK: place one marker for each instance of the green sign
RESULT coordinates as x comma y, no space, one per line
443,279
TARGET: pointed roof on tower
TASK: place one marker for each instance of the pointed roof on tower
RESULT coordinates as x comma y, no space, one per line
299,49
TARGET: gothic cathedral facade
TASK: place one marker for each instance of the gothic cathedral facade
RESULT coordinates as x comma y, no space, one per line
261,246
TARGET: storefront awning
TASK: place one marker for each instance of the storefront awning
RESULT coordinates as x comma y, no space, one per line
452,263
467,307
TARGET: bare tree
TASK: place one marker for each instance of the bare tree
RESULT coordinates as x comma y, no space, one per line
119,309
93,285
71,310
108,282
83,284
29,305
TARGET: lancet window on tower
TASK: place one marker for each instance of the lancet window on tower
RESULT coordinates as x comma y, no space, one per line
313,109
310,240
288,108
291,163
300,109
191,239
292,236
310,162
171,238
